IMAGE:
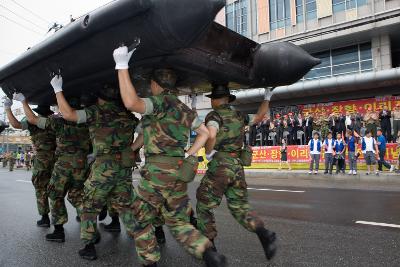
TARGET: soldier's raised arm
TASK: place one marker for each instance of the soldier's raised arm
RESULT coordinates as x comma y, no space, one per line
128,92
264,108
30,116
11,118
66,110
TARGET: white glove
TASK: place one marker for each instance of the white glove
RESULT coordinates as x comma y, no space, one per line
122,57
194,102
186,155
8,103
268,94
19,97
210,156
57,83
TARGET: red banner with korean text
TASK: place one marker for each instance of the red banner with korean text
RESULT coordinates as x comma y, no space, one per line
301,154
352,106
298,156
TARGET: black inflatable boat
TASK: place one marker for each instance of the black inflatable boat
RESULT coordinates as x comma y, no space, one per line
177,34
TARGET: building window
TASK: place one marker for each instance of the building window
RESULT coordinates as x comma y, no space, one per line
342,5
279,14
348,60
299,11
236,16
311,9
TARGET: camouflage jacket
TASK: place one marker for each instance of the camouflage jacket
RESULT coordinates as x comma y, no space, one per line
111,127
230,124
166,125
72,139
44,140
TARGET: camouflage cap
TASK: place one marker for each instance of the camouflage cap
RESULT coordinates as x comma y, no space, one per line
109,93
166,78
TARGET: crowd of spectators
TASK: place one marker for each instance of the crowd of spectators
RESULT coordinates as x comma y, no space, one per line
297,129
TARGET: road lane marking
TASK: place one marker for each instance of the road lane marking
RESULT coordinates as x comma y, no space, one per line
23,181
379,224
275,190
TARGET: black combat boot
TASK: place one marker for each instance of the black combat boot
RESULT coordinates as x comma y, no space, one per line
58,234
151,265
268,241
114,226
214,259
44,222
88,252
78,218
103,214
160,235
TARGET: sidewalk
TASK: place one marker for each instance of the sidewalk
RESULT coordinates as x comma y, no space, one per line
385,177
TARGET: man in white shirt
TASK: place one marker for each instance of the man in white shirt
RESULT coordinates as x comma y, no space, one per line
370,150
328,145
315,153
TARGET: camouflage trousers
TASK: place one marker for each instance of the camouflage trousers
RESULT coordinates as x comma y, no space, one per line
11,163
68,176
42,169
5,162
224,177
109,182
164,194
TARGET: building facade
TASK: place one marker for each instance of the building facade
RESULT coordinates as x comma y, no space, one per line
358,42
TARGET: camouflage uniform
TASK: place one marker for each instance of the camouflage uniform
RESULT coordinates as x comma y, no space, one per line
111,130
225,175
5,160
12,160
70,169
166,127
324,127
45,144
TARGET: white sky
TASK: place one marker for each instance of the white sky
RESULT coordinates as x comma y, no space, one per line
15,38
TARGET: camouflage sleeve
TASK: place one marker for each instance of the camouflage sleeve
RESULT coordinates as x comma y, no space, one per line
42,123
82,117
213,120
24,124
157,104
149,108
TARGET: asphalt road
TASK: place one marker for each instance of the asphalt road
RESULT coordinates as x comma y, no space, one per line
315,226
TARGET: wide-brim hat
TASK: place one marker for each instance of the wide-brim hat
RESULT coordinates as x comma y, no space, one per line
220,91
43,110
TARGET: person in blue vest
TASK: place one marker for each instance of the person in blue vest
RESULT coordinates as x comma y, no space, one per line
381,141
352,149
370,150
340,148
315,153
329,144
